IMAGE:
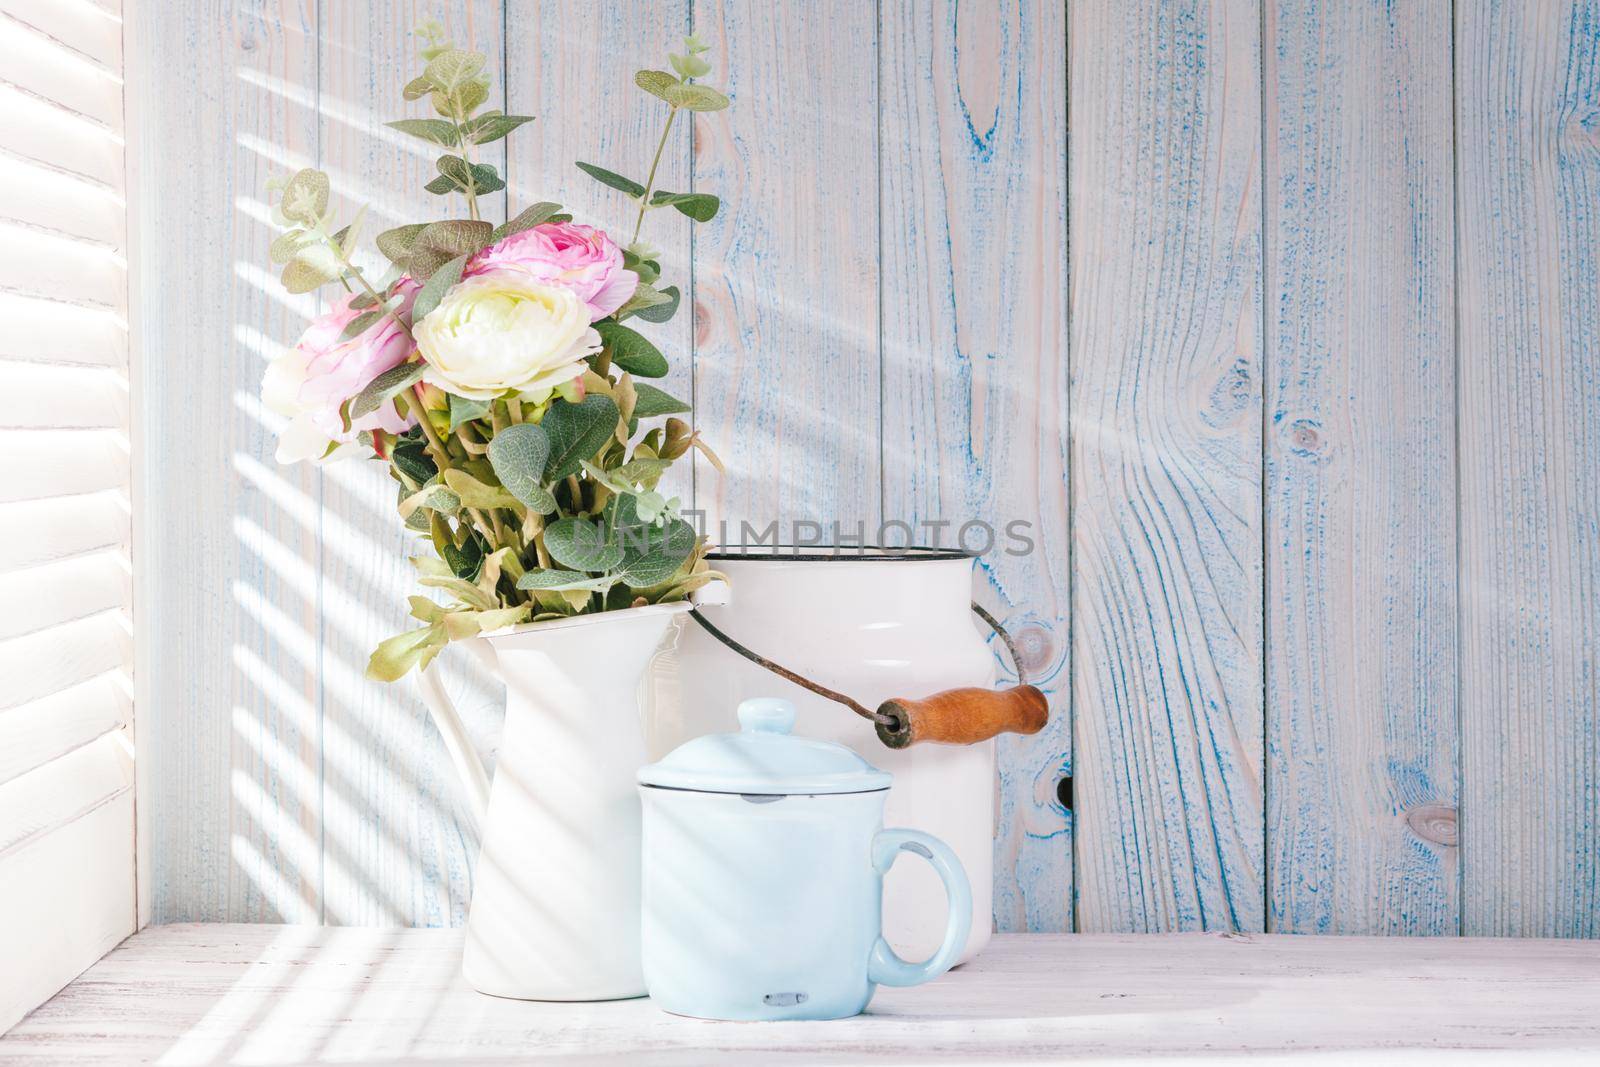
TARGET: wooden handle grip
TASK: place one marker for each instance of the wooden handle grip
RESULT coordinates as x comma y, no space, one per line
963,716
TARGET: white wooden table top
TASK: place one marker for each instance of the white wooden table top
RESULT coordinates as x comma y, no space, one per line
282,994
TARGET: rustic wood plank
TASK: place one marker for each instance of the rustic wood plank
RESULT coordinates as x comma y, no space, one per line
1166,410
1528,97
233,752
396,844
574,71
269,995
1360,470
786,359
973,157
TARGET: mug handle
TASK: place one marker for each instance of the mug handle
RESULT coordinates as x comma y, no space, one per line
886,968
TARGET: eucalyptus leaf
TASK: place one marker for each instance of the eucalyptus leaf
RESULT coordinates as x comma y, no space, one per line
487,128
464,560
301,277
519,455
441,186
575,433
462,589
526,219
661,312
690,66
697,98
554,580
434,131
613,180
581,545
650,402
462,409
305,197
286,245
632,351
395,244
384,387
361,300
701,207
653,554
450,70
440,242
434,497
417,88
657,83
435,288
358,325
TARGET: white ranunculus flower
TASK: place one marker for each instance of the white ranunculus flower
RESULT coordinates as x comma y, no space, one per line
505,331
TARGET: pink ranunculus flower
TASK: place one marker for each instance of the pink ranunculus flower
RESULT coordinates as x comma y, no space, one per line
308,383
569,254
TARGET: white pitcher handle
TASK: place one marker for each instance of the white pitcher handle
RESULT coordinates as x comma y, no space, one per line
474,777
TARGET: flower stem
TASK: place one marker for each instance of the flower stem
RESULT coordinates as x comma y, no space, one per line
650,179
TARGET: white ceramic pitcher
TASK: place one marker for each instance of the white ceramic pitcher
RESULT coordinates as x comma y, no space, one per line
555,899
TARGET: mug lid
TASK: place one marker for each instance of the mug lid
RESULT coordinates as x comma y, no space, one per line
764,757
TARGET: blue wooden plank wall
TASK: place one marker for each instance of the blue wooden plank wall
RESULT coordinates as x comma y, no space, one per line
1278,320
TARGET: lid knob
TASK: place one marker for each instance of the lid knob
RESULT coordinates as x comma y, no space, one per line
766,715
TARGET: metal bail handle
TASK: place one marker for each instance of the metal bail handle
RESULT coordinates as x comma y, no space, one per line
953,717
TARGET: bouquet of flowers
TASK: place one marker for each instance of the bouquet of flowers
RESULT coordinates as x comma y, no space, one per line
497,370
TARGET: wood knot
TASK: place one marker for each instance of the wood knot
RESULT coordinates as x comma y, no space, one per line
1433,822
1036,646
1305,437
702,323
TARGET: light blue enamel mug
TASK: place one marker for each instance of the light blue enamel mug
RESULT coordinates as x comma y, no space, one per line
764,857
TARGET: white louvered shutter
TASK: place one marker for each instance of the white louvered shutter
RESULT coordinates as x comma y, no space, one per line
67,891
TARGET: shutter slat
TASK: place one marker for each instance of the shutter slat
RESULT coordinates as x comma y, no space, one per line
34,129
53,795
52,463
41,396
60,268
96,35
37,732
43,199
51,660
36,532
48,331
48,69
41,597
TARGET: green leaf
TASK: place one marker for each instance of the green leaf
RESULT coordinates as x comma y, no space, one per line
526,219
441,186
650,402
361,300
464,562
657,83
417,88
465,100
435,497
410,457
384,387
475,494
464,410
451,70
519,455
434,131
661,312
359,324
286,245
613,180
440,242
559,579
581,545
702,207
492,127
486,179
435,288
575,432
481,177
299,276
416,648
697,98
395,244
632,351
690,66
305,197
460,588
651,554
